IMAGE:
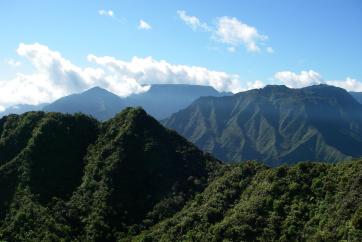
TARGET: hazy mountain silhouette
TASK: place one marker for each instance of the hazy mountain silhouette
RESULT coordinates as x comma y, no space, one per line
162,100
96,102
22,108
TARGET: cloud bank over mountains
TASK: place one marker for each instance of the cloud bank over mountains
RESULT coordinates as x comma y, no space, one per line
55,76
308,78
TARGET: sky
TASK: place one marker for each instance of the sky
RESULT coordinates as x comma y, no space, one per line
49,49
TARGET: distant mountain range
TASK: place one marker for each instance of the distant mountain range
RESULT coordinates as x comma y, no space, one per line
275,125
96,102
161,100
22,108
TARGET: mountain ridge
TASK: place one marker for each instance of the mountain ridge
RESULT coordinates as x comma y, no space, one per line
161,100
72,178
264,124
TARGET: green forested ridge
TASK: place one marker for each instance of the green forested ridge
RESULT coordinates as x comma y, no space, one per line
71,178
275,125
305,202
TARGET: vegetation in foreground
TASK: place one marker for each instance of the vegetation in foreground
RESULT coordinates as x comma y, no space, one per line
71,178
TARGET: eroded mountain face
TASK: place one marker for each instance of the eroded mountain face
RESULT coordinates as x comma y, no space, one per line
275,125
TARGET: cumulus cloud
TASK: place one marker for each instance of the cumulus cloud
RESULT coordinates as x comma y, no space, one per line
144,25
254,85
303,79
307,78
349,84
233,32
55,76
27,89
230,31
192,21
150,71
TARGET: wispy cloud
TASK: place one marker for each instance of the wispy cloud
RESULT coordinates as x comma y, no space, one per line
192,21
111,14
269,50
13,63
144,25
229,31
108,13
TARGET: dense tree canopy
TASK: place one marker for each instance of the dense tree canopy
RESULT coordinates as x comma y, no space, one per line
71,178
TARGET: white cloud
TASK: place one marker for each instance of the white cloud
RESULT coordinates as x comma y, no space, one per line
150,71
307,78
269,50
192,21
254,85
349,84
229,31
144,25
108,13
29,89
13,63
111,14
54,76
233,32
231,49
294,80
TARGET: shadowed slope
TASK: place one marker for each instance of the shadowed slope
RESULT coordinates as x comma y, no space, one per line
275,124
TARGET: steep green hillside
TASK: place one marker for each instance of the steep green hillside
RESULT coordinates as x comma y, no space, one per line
275,125
249,202
140,173
71,178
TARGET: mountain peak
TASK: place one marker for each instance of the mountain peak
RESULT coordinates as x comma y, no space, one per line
97,90
96,102
275,124
131,114
274,89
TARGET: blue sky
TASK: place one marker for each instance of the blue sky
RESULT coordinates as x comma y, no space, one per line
312,41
